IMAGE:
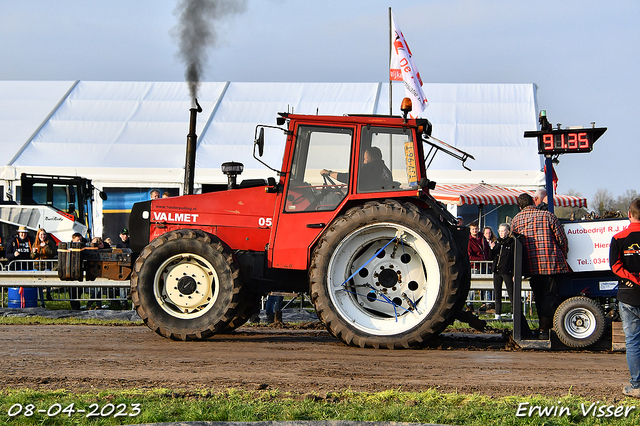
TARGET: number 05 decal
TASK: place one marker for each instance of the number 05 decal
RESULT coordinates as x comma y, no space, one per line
264,221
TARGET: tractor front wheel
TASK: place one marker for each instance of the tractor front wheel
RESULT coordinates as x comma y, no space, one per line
186,286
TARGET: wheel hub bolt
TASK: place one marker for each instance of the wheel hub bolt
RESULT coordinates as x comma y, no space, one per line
388,278
186,285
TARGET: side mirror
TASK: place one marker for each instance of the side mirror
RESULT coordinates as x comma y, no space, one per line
259,142
102,195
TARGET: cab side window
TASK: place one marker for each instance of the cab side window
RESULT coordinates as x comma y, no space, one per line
318,148
387,160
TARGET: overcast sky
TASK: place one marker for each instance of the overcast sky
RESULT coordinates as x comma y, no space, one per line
584,55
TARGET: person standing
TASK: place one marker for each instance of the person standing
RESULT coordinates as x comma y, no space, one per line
478,251
43,248
124,243
502,255
19,247
487,231
540,199
624,259
545,249
124,239
273,308
478,248
503,261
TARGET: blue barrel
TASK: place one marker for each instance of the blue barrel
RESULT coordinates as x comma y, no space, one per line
29,295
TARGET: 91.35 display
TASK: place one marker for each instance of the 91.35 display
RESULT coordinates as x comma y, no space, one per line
564,141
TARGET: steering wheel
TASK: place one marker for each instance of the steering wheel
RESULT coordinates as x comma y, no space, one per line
329,182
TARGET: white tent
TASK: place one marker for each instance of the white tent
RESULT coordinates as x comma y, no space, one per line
133,134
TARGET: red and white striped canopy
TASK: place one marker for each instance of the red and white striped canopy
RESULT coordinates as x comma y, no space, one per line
496,195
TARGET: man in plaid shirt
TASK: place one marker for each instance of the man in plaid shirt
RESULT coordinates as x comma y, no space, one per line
545,248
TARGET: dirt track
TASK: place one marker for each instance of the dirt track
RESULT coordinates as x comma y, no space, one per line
299,361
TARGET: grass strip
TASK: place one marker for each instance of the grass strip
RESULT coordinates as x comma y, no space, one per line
38,320
430,406
35,319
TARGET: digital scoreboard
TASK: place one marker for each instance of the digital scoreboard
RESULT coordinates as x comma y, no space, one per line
564,141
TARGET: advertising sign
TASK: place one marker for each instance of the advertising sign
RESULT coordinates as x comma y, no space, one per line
589,243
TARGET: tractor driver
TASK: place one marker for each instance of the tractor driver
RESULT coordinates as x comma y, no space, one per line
374,174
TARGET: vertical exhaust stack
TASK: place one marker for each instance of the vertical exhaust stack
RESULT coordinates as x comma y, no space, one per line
195,33
192,143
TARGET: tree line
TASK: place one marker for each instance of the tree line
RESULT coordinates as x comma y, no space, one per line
603,201
602,205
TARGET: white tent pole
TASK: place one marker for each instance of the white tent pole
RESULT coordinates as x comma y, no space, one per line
45,121
213,112
375,103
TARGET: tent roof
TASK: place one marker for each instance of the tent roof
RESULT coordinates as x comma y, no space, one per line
133,132
489,194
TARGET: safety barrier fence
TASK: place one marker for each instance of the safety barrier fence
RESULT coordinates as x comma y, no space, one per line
43,275
482,290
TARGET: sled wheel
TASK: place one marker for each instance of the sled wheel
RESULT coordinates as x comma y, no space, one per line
386,275
579,322
185,285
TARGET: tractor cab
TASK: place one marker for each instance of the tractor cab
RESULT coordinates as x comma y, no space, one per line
334,162
69,195
330,163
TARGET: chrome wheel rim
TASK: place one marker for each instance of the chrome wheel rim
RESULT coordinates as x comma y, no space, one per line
384,279
580,323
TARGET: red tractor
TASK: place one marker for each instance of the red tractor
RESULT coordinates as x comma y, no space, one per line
350,221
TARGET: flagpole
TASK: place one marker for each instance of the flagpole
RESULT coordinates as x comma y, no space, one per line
390,52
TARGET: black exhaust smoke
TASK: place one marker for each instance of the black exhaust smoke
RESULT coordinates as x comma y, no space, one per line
195,32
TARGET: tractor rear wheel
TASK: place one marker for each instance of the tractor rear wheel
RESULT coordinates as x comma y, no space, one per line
386,274
579,322
186,286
